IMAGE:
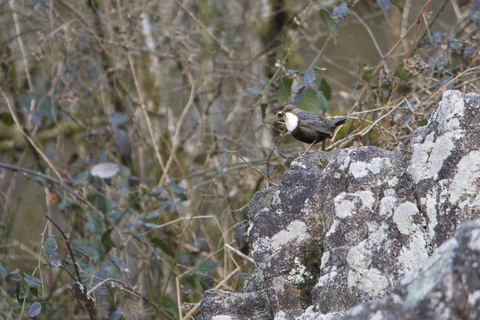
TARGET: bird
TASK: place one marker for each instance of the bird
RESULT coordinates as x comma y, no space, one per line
308,127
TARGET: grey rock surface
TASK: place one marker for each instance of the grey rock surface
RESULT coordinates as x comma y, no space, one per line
344,227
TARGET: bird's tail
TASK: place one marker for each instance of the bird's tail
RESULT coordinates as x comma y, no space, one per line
340,121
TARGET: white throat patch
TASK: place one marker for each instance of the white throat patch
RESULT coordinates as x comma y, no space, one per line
291,121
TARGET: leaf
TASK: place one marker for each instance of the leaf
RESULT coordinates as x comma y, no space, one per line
49,108
159,243
402,73
50,244
168,303
118,262
284,90
153,215
35,309
341,11
299,97
136,223
7,118
51,253
367,74
107,240
322,101
309,76
206,281
310,101
180,192
325,88
32,282
11,274
206,265
385,4
188,283
135,235
118,119
3,272
332,26
92,253
469,51
121,140
254,92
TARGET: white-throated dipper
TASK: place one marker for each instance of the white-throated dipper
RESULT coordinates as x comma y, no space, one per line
307,126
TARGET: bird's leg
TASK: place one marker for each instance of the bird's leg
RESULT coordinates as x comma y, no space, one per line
306,151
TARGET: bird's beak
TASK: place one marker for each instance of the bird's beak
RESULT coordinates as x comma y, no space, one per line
280,113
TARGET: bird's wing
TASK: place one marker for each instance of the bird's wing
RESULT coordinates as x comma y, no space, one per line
316,123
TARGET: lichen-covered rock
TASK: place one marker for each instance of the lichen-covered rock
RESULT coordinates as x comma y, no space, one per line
344,227
223,305
445,287
445,165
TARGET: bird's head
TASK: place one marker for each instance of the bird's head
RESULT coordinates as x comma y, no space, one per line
289,108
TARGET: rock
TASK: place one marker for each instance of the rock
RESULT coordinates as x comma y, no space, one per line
445,287
223,305
344,227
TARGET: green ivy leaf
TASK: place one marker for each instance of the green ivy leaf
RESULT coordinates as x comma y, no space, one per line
402,73
188,283
159,243
206,265
325,88
107,240
332,26
50,244
3,272
309,76
121,140
49,108
135,235
118,118
206,281
367,74
300,95
32,282
322,101
310,101
35,309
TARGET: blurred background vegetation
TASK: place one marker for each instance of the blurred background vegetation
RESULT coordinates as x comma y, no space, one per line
134,133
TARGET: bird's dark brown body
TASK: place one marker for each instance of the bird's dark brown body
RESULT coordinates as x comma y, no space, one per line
307,126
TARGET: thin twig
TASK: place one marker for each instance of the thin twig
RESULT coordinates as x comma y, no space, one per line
122,286
56,181
224,48
176,136
67,242
8,100
26,66
143,106
372,36
389,53
253,168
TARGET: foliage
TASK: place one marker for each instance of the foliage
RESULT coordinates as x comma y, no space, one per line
133,134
